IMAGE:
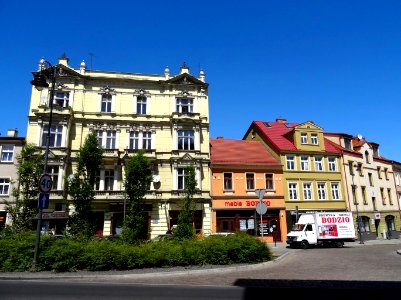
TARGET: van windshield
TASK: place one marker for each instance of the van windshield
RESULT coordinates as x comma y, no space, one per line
298,227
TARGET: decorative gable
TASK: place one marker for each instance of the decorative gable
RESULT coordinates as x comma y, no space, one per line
185,79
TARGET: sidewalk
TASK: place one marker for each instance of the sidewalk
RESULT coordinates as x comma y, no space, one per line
279,249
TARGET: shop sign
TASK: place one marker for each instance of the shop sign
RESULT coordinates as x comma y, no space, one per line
53,215
244,203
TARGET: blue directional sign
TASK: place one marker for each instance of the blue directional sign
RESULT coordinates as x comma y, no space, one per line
43,200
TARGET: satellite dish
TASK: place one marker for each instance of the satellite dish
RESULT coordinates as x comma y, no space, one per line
360,137
156,178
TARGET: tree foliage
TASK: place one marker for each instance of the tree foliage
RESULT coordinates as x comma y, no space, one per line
30,164
185,228
138,176
80,188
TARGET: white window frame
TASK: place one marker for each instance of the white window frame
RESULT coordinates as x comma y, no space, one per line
332,161
107,99
321,191
107,139
290,162
250,184
109,176
7,153
304,138
177,174
188,139
133,140
146,140
307,190
180,178
335,190
184,105
56,135
64,100
111,137
319,163
225,188
5,186
141,105
293,191
305,163
99,135
54,171
272,181
314,139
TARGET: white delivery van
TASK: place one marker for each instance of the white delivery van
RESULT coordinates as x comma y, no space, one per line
322,228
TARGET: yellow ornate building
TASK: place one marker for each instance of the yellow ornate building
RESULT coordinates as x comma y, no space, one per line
166,115
312,174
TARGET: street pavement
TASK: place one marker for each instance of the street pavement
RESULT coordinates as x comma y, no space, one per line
279,251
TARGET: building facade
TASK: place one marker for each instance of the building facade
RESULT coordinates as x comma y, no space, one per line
312,177
165,115
397,181
238,169
370,185
10,148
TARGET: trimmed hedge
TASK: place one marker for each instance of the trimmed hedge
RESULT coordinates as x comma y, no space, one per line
68,255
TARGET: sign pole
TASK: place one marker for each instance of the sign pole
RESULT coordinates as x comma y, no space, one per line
260,193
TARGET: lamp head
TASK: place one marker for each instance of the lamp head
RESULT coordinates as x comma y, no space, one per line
39,81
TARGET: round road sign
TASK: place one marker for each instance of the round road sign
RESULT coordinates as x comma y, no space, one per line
45,183
261,208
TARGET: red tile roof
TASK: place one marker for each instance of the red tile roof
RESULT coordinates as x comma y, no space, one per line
277,134
240,152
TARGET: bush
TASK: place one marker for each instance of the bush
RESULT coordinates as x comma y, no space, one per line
67,255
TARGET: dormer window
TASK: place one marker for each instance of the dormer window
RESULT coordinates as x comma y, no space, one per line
304,138
367,157
184,105
375,151
314,139
347,144
61,99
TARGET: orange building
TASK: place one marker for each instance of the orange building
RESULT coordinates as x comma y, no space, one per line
238,169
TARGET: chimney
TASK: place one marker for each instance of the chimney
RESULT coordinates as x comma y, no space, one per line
12,133
63,59
184,69
281,120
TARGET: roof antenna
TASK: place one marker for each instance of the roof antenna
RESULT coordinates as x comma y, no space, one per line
91,58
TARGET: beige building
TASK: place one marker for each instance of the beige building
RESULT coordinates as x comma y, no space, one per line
397,181
166,115
370,186
10,148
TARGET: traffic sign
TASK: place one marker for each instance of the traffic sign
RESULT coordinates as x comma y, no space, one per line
261,208
43,201
45,183
260,193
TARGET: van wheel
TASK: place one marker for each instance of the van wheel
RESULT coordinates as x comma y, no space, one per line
339,244
304,244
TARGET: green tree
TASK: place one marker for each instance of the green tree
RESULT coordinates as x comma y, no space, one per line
184,228
80,188
138,176
30,164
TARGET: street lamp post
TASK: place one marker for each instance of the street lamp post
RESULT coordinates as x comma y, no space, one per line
47,71
357,211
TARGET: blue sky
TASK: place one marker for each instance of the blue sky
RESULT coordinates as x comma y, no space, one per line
337,63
